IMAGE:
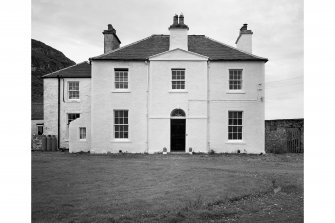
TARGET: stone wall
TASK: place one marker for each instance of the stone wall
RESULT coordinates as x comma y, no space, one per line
36,142
276,133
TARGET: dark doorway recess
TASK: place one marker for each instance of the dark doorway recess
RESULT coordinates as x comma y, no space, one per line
178,133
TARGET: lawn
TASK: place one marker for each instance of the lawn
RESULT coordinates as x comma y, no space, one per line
166,188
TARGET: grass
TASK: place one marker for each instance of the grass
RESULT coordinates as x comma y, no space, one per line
166,188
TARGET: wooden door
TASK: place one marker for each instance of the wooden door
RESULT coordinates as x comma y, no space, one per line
178,135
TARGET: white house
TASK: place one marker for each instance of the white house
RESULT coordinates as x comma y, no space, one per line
176,91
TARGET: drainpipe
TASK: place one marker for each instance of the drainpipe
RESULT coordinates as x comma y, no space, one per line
58,129
63,89
148,81
208,109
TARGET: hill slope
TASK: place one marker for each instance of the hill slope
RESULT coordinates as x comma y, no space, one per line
44,60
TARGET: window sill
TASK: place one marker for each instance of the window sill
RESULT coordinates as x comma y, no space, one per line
235,92
121,140
178,91
235,142
82,140
121,91
73,100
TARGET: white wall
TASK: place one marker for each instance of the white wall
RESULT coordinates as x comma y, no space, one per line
245,43
248,100
50,96
75,143
82,106
178,38
105,99
163,100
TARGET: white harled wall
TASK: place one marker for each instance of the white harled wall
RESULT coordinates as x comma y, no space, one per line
105,99
82,106
248,100
192,100
98,99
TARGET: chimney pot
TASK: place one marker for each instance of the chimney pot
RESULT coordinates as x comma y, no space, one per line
110,27
181,19
244,27
175,19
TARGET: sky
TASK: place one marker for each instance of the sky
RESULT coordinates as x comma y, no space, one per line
75,28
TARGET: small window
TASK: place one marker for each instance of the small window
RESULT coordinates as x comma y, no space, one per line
121,78
82,133
235,79
73,89
178,79
72,116
235,125
121,124
39,129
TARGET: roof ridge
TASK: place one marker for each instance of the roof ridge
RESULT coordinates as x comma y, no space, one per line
64,69
242,51
97,57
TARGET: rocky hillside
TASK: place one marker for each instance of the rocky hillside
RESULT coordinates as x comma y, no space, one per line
44,60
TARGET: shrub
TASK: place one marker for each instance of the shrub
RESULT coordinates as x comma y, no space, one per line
211,152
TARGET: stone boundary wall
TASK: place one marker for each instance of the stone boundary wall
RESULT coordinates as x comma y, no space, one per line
276,133
36,142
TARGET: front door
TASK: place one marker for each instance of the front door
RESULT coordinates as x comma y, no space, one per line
178,132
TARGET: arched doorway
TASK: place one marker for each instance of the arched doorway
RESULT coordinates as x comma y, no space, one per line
178,130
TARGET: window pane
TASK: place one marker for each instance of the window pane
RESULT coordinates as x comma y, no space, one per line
117,128
121,123
235,125
178,79
82,133
121,79
230,136
235,79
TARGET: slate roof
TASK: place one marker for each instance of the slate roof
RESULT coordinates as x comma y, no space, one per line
81,70
200,44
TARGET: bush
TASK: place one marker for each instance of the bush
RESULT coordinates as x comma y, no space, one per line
211,152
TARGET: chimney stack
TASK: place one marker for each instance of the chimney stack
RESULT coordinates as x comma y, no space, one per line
244,40
178,33
111,41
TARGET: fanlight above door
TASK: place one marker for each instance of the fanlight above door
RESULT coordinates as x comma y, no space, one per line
178,113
